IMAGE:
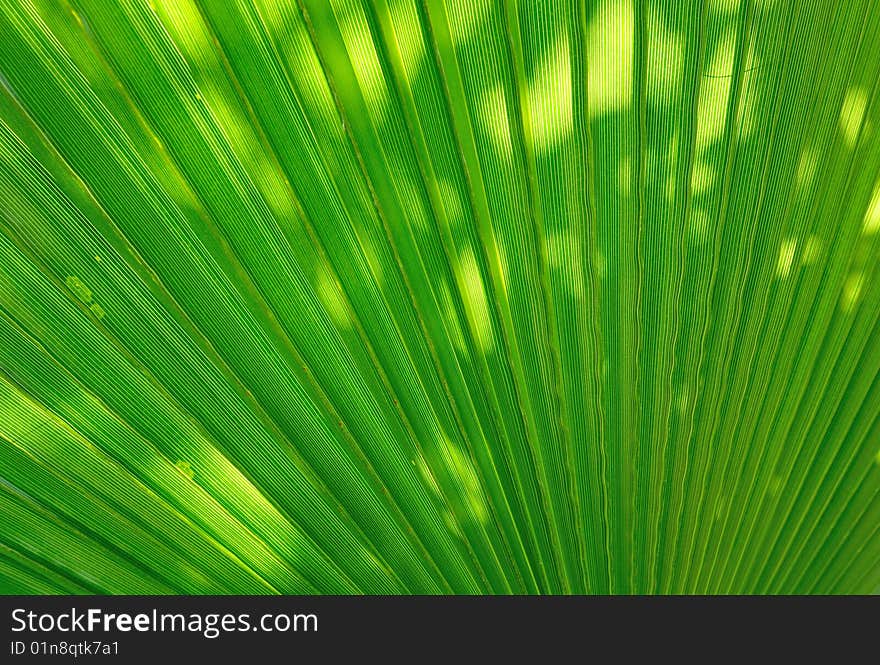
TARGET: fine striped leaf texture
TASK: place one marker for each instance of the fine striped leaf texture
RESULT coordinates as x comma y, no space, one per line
439,296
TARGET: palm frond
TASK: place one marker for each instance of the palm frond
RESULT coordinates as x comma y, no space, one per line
432,296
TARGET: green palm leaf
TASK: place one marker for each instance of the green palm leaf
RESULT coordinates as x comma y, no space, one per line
430,296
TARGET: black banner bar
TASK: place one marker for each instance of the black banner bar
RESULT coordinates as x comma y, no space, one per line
416,629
